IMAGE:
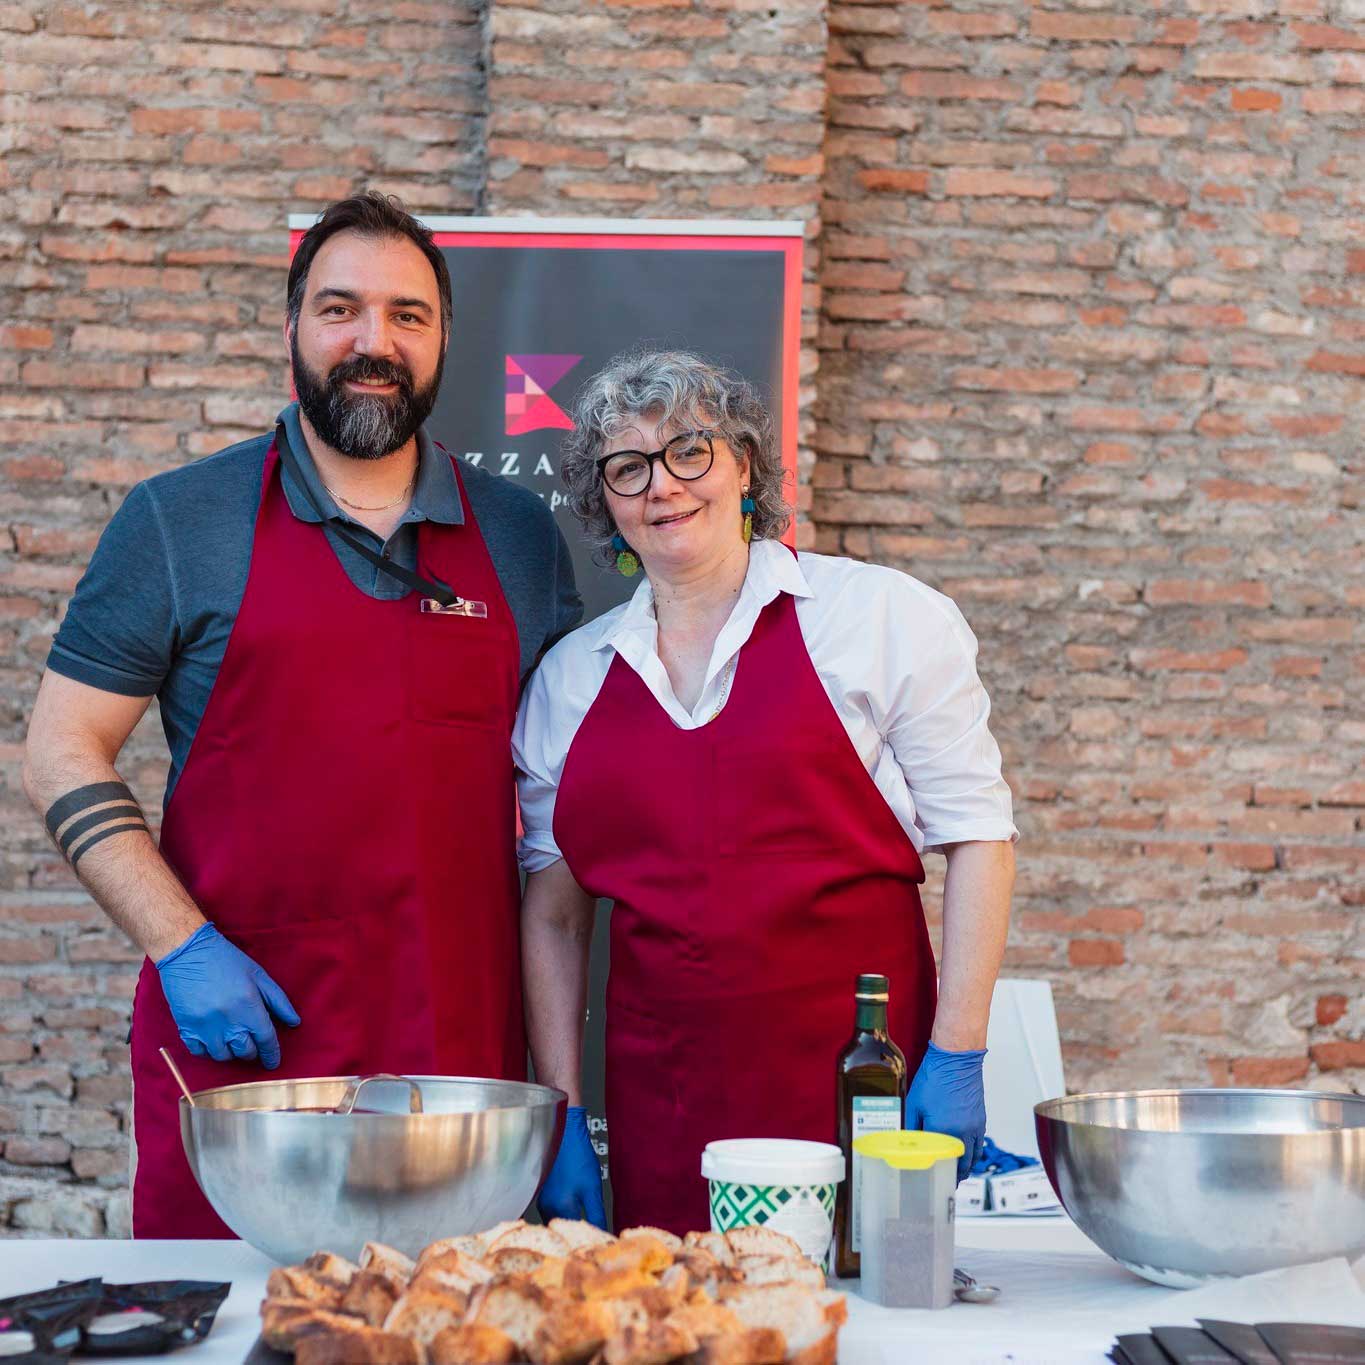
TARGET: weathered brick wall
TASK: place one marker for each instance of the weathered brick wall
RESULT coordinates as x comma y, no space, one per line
1090,336
1091,363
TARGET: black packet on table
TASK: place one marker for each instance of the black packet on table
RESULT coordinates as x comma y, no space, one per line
1139,1349
52,1318
1190,1346
1311,1343
185,1310
1241,1341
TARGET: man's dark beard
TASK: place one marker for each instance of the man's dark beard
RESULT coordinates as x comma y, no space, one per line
363,426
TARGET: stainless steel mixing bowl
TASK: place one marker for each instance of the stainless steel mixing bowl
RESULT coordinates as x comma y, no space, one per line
1184,1186
292,1183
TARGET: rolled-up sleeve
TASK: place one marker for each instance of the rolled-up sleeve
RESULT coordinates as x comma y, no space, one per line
935,716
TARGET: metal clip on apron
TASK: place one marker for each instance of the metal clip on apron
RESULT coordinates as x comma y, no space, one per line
346,817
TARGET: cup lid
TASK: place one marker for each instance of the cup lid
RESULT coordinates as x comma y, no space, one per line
908,1151
773,1161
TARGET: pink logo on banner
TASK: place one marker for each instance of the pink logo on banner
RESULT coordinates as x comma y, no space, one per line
529,381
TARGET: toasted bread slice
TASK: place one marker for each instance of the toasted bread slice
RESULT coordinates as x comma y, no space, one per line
472,1344
471,1246
670,1239
584,1280
572,1333
285,1322
422,1313
781,1270
517,1261
712,1242
298,1282
497,1230
516,1307
706,1320
706,1273
549,1274
748,1346
331,1267
453,1270
362,1346
577,1232
794,1311
530,1237
762,1242
834,1305
370,1296
386,1260
656,1344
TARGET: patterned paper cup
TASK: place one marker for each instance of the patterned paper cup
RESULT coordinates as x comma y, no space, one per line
776,1183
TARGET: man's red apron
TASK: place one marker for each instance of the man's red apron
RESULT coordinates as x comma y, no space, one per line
346,818
756,872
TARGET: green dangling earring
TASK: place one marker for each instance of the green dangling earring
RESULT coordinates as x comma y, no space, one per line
627,561
747,507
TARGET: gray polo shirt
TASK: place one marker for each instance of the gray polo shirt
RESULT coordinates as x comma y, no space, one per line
154,610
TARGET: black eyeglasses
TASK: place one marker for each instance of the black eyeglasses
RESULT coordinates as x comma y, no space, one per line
688,455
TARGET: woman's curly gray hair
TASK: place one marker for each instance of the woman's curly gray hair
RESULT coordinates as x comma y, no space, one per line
680,389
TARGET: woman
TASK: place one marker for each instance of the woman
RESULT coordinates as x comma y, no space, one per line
748,757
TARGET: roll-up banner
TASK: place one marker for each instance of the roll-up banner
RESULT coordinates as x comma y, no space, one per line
540,305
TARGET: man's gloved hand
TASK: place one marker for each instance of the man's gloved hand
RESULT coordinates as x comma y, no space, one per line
222,1001
947,1096
573,1189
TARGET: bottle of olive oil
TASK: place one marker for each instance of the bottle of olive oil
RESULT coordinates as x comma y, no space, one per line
871,1079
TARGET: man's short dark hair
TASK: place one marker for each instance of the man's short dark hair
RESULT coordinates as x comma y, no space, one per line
371,215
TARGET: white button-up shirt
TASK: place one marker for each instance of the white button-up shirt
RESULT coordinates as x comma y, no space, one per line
897,661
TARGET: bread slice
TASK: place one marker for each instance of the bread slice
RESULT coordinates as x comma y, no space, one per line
792,1310
758,1241
286,1322
298,1282
331,1267
656,1344
834,1305
585,1280
452,1270
706,1320
671,1240
706,1273
549,1274
572,1333
748,1346
712,1242
386,1260
422,1313
577,1232
370,1296
472,1344
781,1270
516,1307
363,1346
518,1261
471,1246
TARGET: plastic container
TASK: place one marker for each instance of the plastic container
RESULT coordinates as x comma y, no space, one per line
778,1183
908,1181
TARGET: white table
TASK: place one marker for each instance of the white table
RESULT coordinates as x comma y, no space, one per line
1062,1302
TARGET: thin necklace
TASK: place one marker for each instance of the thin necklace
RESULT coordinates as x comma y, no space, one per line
362,507
725,688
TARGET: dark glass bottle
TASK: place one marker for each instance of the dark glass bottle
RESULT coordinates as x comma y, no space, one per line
871,1081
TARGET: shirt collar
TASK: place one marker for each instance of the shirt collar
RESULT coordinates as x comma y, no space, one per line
435,498
773,568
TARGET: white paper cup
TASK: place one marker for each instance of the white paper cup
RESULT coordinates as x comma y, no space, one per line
776,1183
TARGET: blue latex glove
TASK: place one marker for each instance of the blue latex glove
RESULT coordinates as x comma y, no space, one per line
222,1001
947,1096
573,1189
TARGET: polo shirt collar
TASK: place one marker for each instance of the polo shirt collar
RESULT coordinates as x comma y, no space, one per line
436,497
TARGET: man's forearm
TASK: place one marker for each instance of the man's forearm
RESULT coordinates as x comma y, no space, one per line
556,936
976,910
98,827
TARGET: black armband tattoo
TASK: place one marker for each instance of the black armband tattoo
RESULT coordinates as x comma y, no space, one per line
90,815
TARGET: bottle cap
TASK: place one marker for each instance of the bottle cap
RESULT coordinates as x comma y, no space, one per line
873,986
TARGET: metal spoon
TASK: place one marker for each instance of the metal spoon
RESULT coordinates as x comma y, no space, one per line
968,1290
179,1079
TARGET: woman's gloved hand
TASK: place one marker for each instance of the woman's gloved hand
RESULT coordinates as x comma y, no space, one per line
573,1189
947,1096
222,1001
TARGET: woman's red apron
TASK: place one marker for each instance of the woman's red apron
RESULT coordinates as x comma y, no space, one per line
346,818
756,872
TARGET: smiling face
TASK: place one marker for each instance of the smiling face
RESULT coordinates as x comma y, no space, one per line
677,525
367,348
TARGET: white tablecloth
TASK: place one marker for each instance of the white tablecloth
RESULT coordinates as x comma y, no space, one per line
1062,1299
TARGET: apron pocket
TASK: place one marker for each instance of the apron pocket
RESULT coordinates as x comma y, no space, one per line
460,670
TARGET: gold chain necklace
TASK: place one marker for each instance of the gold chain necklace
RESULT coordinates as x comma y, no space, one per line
362,507
725,688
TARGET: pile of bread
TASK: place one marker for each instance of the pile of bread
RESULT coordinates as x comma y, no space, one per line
566,1294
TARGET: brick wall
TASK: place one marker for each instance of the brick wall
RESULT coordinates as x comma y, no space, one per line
1085,334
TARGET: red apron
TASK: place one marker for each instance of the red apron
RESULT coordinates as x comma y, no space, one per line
756,871
346,818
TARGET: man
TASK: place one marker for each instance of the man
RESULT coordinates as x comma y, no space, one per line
335,619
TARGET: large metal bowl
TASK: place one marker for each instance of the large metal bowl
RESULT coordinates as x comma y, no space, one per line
1184,1186
291,1183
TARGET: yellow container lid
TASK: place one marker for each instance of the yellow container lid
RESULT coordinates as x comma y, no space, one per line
908,1151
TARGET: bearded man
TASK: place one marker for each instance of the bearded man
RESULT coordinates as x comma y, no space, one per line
335,619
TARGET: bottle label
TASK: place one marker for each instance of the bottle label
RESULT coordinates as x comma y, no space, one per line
871,1114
